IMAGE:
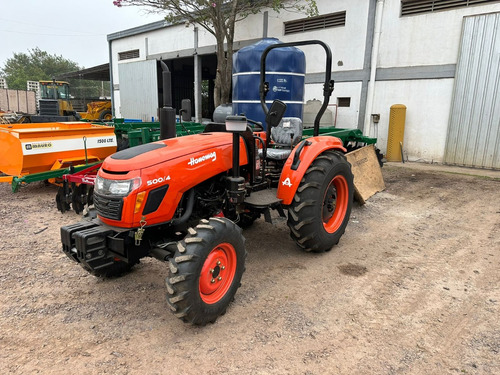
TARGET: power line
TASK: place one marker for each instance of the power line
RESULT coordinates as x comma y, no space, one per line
43,26
33,33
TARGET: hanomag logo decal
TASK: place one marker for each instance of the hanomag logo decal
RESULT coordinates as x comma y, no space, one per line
211,156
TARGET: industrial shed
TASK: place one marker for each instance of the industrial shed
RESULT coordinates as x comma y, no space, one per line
441,59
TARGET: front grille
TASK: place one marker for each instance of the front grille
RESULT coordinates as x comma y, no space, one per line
110,208
49,107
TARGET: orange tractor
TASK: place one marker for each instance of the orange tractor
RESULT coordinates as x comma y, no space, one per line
184,201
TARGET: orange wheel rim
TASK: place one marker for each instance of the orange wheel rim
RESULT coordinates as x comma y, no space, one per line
217,273
335,204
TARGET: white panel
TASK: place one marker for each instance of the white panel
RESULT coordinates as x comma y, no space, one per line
425,39
428,107
173,38
474,129
346,117
138,90
346,42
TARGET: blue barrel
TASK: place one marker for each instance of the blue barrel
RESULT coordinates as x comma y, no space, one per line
285,72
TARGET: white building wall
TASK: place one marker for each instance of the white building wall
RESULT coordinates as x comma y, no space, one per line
347,43
425,39
347,117
430,39
174,38
428,106
156,42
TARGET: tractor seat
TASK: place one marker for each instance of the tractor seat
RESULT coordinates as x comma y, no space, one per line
285,136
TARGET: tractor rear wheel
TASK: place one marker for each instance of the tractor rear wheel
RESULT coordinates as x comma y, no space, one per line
206,271
320,210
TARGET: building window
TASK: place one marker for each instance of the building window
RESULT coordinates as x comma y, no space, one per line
315,23
412,7
343,102
133,54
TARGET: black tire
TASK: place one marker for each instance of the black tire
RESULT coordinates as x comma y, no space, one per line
118,268
329,173
105,115
205,271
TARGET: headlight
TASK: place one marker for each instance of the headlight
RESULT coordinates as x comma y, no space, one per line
119,188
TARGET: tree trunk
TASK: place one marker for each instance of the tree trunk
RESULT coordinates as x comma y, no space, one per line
223,75
219,76
224,32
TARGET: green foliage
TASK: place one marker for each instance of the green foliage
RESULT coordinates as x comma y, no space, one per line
36,65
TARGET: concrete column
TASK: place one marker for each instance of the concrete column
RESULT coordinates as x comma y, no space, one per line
265,25
373,70
197,79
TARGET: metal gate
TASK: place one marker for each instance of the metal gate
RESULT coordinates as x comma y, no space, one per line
138,90
474,128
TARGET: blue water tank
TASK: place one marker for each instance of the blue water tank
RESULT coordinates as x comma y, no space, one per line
285,72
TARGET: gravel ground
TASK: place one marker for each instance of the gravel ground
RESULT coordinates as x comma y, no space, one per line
412,288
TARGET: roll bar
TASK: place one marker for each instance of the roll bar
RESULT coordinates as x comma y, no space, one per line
327,86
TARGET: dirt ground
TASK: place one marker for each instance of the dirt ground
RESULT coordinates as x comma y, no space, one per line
412,288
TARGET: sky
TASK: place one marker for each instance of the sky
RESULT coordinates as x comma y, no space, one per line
76,30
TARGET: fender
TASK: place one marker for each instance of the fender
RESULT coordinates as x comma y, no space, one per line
304,154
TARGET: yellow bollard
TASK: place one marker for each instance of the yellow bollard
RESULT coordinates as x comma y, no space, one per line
396,132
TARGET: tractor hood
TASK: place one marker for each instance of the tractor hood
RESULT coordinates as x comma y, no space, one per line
150,154
165,169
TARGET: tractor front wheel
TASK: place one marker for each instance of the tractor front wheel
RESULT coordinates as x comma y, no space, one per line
320,210
105,115
206,271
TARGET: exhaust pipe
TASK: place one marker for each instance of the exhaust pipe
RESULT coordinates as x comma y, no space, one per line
167,113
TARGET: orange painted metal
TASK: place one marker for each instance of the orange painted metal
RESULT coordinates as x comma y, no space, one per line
184,163
333,223
290,179
33,148
217,273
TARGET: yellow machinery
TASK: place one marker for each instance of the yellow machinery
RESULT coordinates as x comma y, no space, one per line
55,98
98,111
55,101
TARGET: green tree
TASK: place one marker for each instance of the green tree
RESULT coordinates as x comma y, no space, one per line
36,65
219,17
